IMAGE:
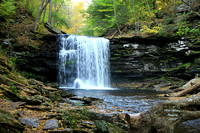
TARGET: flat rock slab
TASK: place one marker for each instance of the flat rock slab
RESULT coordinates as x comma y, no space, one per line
30,122
51,124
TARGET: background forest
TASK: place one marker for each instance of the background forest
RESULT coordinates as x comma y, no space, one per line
169,18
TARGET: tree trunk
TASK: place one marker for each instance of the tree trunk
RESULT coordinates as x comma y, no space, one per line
174,6
165,117
44,13
135,18
39,14
116,18
155,4
192,10
27,4
150,12
191,86
50,12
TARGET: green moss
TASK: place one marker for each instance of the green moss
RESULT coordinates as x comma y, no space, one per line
114,59
183,66
118,71
116,54
194,52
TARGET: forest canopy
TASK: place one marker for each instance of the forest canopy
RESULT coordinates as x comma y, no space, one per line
112,17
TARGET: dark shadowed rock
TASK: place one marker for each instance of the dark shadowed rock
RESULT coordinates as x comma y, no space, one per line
9,124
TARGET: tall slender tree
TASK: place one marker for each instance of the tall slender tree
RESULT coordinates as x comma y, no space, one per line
27,4
150,12
42,7
155,4
135,18
116,17
44,13
174,6
50,12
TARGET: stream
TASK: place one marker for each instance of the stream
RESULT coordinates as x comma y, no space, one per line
132,101
128,101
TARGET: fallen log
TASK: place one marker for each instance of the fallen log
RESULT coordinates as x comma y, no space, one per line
191,86
53,30
165,117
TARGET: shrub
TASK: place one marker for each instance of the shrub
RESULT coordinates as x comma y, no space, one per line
7,9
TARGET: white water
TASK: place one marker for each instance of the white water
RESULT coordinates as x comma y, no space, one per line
84,62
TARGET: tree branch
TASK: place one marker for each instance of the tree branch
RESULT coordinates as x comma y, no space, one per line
191,8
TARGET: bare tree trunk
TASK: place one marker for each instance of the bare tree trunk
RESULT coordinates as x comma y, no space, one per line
57,10
150,12
116,18
44,13
135,18
155,4
50,12
27,4
192,10
39,14
174,6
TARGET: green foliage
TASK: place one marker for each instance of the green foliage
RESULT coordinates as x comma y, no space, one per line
72,117
184,30
60,20
7,9
14,88
100,17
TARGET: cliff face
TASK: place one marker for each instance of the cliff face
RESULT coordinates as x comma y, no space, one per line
43,63
130,59
138,59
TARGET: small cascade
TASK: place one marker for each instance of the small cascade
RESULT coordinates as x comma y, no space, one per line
84,62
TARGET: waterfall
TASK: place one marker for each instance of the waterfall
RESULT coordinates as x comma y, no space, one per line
84,62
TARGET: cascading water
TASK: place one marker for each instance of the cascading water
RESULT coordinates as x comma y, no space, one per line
84,62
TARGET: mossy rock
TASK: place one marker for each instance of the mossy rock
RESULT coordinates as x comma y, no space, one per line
35,100
8,124
8,92
54,96
105,127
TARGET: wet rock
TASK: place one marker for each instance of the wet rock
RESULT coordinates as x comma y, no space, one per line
100,116
104,127
87,100
7,42
51,124
35,100
53,85
65,94
9,124
30,122
160,86
54,96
